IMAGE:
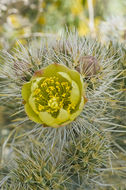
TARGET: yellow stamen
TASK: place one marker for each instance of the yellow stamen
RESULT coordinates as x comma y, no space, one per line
53,103
64,94
40,107
56,97
37,91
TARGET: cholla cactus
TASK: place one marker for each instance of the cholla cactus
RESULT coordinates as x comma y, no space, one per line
88,155
34,168
86,68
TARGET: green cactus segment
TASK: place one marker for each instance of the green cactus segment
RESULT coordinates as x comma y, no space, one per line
55,97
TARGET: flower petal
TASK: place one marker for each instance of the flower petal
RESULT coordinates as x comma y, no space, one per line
75,93
47,119
53,69
26,90
31,114
79,110
75,76
63,116
35,82
54,122
32,104
65,75
38,74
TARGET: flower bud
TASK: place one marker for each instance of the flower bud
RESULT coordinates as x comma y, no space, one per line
88,66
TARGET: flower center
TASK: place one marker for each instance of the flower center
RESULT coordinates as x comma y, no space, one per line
53,94
53,103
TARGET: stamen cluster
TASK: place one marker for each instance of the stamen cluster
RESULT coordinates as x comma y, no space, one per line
52,95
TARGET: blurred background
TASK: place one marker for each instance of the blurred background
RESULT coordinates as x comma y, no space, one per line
23,19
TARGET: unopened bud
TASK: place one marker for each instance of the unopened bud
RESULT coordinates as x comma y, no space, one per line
88,66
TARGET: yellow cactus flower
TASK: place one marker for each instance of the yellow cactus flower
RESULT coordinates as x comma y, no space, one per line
54,96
